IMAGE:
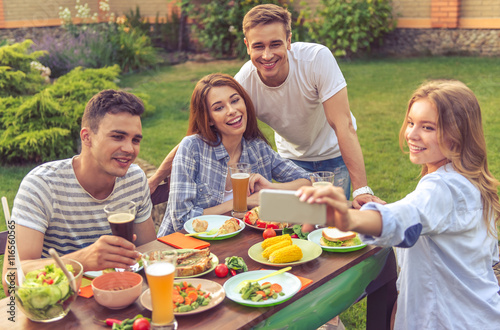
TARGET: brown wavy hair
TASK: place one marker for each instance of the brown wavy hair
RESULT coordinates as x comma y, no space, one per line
199,113
267,14
461,138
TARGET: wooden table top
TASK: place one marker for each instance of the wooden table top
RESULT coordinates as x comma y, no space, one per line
227,315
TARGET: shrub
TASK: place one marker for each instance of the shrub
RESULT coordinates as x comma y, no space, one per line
97,45
348,27
219,25
46,126
17,74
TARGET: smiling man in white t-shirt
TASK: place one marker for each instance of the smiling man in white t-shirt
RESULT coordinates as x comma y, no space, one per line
299,90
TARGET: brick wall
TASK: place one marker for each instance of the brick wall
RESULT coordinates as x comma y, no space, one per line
444,13
480,8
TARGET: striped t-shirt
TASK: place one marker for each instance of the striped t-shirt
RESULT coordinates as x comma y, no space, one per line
51,200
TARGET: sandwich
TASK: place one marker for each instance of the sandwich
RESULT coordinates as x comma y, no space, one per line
333,237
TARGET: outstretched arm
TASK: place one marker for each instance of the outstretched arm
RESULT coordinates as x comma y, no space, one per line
339,214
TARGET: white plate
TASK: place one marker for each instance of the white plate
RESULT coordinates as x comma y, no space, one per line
216,292
310,251
316,235
214,262
289,282
93,274
214,221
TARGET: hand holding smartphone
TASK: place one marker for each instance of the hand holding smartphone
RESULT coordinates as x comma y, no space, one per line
284,206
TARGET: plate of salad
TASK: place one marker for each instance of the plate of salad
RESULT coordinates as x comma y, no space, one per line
191,297
274,290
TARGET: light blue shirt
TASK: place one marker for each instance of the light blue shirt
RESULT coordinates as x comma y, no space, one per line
446,255
199,174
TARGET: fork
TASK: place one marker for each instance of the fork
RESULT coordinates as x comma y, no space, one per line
245,282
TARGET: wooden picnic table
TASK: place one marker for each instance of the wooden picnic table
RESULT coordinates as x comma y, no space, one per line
338,279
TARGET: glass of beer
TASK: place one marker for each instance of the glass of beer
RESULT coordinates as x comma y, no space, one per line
322,178
240,173
159,266
121,216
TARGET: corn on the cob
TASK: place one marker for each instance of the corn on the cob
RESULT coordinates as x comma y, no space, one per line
287,254
267,252
276,239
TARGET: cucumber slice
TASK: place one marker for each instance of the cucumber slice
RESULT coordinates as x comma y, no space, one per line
39,299
64,287
55,294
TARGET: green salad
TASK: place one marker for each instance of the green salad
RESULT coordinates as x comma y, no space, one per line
45,293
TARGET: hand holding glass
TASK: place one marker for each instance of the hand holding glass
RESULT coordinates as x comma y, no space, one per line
322,178
121,216
240,174
159,266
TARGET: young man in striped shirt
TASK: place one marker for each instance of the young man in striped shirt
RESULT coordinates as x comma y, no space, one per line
60,204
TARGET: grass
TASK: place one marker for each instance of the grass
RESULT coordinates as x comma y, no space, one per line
378,94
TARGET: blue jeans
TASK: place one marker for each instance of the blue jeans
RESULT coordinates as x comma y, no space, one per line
335,165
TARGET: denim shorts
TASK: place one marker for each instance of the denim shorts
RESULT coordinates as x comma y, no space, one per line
335,165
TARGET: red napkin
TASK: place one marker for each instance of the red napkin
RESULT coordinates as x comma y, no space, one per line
181,241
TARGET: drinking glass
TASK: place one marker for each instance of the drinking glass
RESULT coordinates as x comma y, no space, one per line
121,216
159,266
240,174
322,178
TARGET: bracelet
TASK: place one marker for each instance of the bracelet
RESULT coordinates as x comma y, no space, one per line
361,191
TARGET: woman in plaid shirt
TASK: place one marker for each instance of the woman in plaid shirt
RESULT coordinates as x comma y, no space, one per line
222,131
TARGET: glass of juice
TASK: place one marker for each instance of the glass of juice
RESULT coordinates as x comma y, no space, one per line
159,266
322,178
240,174
121,216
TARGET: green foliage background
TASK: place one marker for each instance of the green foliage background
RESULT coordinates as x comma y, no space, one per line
349,27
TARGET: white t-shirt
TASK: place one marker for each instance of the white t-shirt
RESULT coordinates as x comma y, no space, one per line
445,254
295,108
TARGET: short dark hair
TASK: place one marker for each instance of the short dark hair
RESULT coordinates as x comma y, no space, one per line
110,101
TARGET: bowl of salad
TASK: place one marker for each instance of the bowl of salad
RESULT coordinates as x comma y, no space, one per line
46,293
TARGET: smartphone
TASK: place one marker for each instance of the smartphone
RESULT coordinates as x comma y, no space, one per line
284,206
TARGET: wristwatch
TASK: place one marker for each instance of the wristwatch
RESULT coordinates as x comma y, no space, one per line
361,191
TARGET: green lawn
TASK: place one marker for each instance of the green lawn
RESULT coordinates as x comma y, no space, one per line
378,94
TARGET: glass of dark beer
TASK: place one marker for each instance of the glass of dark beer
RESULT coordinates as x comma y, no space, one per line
121,216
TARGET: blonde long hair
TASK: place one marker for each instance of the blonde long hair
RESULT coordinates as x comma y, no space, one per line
461,138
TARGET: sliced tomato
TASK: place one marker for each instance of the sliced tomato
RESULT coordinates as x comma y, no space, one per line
272,225
260,224
246,217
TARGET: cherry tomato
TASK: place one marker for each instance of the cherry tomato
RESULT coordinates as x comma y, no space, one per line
294,236
221,270
269,232
141,324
